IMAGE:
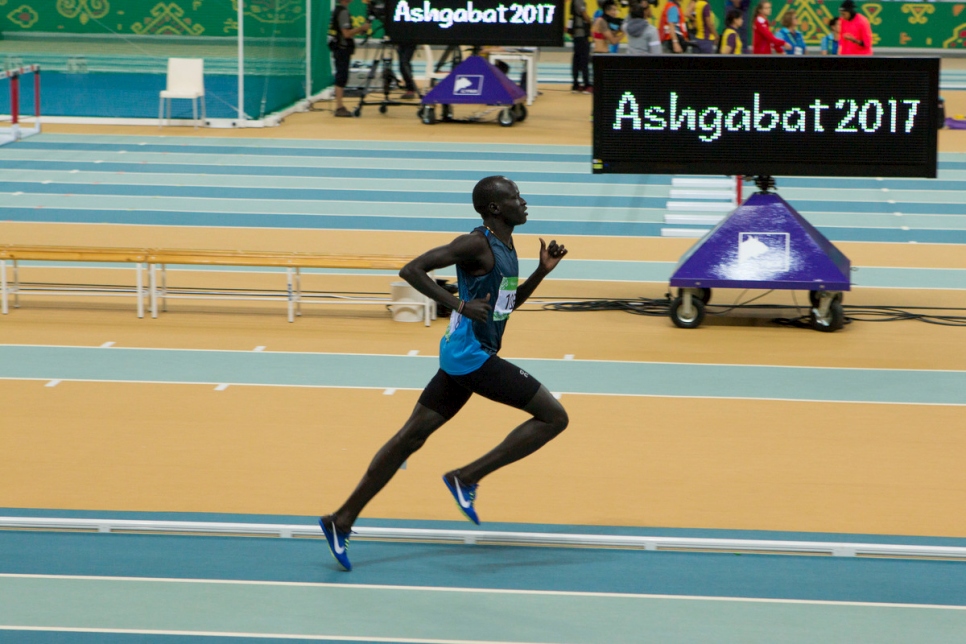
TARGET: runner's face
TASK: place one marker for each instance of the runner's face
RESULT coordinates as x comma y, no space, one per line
514,207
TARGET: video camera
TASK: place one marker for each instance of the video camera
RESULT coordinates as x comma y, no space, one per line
377,10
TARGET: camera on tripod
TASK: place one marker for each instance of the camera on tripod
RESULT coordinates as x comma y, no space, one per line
377,11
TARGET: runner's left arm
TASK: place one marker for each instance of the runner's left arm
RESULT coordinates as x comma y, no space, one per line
550,256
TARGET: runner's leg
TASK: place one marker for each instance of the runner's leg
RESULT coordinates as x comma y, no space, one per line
549,419
439,402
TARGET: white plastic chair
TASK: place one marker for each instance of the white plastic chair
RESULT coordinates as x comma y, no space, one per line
186,79
429,74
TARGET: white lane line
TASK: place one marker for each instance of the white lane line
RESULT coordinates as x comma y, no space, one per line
46,181
511,358
53,383
254,636
107,344
393,390
568,356
74,171
17,193
99,161
557,395
222,387
413,352
259,348
482,591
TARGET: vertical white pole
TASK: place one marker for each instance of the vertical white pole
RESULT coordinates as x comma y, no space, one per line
153,281
298,290
241,63
291,295
16,285
3,286
140,289
308,48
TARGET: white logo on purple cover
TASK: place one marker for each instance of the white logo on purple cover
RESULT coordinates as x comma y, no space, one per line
468,85
767,252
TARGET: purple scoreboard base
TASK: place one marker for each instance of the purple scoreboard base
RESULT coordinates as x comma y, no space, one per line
475,82
763,244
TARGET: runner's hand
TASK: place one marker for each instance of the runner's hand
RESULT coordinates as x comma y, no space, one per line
551,255
478,309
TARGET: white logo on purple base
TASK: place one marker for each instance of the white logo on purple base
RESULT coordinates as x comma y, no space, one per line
468,85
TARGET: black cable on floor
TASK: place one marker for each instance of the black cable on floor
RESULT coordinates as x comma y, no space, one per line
943,316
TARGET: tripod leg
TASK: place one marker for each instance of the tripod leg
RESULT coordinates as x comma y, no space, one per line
369,78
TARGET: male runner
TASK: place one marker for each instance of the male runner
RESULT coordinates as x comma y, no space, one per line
487,273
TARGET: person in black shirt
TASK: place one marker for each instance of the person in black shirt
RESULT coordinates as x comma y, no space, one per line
342,45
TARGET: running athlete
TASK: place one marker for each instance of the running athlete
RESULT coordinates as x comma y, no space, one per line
487,274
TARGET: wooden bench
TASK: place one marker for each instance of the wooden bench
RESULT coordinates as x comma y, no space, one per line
15,254
153,260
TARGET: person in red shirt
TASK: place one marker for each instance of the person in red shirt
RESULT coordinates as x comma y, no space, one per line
763,40
856,33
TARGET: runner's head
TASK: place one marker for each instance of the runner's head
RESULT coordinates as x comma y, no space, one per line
499,198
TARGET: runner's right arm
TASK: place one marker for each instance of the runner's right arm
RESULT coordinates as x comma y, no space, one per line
472,252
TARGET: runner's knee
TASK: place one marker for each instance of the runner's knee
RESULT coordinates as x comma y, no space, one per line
558,418
418,428
548,409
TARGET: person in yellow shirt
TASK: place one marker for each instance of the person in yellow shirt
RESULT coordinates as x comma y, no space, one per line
730,42
704,32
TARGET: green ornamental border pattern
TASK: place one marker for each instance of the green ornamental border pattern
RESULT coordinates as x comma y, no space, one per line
283,18
894,24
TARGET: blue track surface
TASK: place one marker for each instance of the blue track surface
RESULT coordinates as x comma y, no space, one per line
415,187
504,567
565,376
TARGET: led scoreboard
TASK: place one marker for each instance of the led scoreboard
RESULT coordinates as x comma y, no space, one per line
766,115
527,23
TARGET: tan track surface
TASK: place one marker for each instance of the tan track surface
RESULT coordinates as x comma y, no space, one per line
889,469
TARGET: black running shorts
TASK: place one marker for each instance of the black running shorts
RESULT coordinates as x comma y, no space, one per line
497,380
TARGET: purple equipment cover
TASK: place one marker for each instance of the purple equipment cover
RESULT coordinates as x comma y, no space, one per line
475,81
764,244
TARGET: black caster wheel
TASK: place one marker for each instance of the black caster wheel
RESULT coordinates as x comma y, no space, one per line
832,321
687,320
704,294
447,113
428,114
506,117
357,112
814,295
383,109
519,112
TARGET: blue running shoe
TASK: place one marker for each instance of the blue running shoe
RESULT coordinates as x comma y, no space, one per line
464,495
338,541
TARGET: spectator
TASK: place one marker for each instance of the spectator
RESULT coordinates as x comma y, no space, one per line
741,6
730,42
406,52
856,32
705,35
603,35
830,41
642,36
763,40
791,35
342,45
673,29
580,32
615,22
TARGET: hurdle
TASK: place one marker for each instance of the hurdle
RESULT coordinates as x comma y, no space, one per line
16,131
